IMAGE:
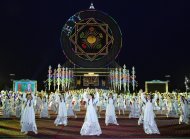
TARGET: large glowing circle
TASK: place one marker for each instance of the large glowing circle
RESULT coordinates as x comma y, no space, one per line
91,39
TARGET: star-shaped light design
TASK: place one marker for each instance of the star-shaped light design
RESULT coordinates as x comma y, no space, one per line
91,22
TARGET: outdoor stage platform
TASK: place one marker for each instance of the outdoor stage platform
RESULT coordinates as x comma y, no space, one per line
128,128
91,77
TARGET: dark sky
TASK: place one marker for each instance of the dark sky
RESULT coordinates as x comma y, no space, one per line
156,36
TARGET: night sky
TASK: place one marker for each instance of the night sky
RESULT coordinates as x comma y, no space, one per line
156,37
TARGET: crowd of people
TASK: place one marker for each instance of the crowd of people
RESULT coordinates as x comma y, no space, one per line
141,105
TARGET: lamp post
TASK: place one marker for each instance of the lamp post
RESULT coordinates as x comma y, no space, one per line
167,77
12,77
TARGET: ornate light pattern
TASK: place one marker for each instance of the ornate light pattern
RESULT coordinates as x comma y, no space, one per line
62,76
91,39
120,77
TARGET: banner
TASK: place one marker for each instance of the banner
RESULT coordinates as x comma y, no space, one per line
24,85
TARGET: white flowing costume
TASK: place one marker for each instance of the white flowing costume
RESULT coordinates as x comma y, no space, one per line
62,113
184,117
134,109
76,100
149,123
44,109
6,108
70,111
110,113
28,122
91,125
18,108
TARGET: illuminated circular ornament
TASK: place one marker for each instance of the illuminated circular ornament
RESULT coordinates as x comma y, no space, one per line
91,39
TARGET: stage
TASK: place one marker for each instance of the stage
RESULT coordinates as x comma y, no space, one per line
127,128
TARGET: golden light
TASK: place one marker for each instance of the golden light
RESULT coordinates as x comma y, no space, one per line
91,74
91,39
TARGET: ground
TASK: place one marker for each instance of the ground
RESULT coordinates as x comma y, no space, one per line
127,128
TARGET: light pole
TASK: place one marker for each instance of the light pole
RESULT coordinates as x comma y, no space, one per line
168,80
167,77
12,77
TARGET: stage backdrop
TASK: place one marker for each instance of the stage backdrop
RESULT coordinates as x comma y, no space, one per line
152,86
25,85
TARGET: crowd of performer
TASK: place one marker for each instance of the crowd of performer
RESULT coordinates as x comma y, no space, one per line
141,105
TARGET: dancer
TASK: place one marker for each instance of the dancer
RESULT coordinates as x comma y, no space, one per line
76,105
52,103
134,109
62,112
91,125
184,111
44,108
110,117
18,107
38,104
6,108
121,104
142,106
149,123
28,122
96,102
70,111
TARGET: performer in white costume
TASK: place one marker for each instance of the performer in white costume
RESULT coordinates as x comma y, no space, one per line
91,125
6,108
62,112
76,99
110,117
52,103
121,104
70,111
28,122
184,111
134,109
18,107
44,108
149,123
141,118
